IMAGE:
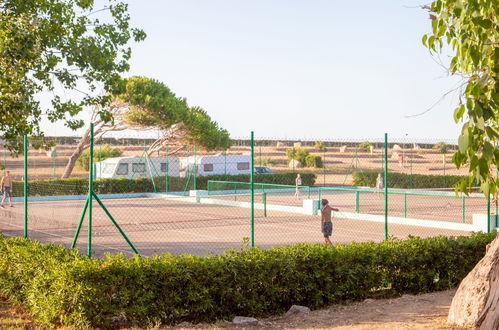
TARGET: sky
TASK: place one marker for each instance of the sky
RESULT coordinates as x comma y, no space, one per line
289,69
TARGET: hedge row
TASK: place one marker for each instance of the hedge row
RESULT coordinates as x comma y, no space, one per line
400,180
61,287
79,186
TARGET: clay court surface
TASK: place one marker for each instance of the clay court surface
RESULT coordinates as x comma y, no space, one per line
158,225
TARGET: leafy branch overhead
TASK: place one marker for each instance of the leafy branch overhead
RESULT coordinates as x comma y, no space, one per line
54,46
471,29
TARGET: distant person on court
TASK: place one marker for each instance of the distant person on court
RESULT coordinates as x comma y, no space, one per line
379,182
298,184
326,223
6,185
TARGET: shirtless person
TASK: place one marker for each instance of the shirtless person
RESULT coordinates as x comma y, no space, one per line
326,224
6,185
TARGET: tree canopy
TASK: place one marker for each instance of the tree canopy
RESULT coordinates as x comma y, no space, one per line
471,30
143,103
57,45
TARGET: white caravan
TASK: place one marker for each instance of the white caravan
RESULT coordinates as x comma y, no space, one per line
136,167
216,164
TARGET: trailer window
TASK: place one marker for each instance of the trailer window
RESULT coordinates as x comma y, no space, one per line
138,167
163,167
243,166
122,169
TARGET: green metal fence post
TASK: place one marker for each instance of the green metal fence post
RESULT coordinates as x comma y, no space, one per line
357,207
405,205
195,168
264,196
488,214
25,186
90,190
166,170
252,185
462,208
386,186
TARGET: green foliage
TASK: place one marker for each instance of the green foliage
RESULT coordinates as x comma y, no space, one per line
40,143
59,287
365,146
265,161
314,161
442,147
79,186
320,146
152,104
470,28
298,154
101,153
401,180
54,45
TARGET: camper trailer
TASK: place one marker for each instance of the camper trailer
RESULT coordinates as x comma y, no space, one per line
136,167
216,164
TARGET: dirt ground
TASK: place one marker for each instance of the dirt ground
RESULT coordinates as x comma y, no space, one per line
426,311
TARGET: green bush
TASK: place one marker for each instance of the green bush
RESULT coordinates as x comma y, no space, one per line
320,146
299,154
265,161
79,186
442,147
101,153
314,161
400,180
365,146
61,287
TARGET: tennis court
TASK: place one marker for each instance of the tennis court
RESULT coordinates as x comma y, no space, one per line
159,223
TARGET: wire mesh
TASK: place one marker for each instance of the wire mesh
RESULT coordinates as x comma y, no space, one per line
181,198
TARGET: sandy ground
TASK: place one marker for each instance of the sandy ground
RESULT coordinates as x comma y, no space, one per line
426,311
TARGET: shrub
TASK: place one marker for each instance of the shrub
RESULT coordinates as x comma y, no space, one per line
320,146
442,147
104,152
79,186
299,154
401,180
314,161
61,287
365,146
266,161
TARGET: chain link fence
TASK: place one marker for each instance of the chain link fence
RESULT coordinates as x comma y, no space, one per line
180,198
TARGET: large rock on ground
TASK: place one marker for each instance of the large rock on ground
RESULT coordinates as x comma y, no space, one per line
476,302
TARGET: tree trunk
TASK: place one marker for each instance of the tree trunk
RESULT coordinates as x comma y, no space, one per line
82,145
476,302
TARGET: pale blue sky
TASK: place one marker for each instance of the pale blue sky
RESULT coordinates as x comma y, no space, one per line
298,69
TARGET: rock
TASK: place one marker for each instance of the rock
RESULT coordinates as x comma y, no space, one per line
343,149
476,302
407,297
297,144
293,163
280,145
184,325
296,309
368,301
245,320
397,147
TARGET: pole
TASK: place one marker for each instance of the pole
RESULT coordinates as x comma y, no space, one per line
357,208
405,205
462,208
488,214
25,186
54,159
166,170
195,168
324,165
386,186
90,190
264,196
252,185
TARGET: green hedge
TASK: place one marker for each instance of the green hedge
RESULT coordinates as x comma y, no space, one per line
79,186
61,287
400,180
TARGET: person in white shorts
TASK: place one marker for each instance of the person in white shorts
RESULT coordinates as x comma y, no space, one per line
6,185
298,184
